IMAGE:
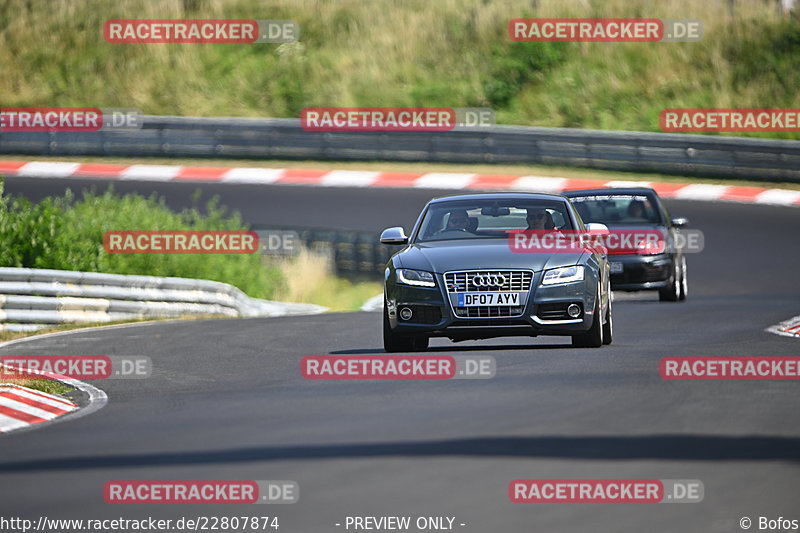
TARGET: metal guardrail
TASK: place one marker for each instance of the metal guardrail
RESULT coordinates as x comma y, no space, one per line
31,299
161,136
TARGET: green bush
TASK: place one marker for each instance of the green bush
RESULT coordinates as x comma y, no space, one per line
517,64
67,234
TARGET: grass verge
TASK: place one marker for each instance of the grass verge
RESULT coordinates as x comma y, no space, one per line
49,386
310,279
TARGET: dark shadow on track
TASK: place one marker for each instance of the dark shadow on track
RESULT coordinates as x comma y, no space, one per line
652,447
456,348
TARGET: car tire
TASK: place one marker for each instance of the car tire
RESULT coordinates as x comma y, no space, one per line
684,292
608,327
420,344
594,337
673,292
392,342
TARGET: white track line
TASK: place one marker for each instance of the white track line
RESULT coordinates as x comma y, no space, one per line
150,172
263,176
349,178
778,197
620,183
44,169
41,397
8,424
22,407
539,184
787,328
444,180
700,191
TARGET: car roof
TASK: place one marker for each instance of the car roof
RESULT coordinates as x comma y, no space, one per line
610,190
499,196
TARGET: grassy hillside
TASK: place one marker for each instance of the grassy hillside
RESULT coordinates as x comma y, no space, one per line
403,52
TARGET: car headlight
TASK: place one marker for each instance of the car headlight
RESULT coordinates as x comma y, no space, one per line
563,275
417,278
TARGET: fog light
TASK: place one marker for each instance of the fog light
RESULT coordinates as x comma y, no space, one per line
406,313
574,310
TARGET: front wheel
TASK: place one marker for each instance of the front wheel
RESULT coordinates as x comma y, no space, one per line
672,293
684,280
392,342
594,337
608,327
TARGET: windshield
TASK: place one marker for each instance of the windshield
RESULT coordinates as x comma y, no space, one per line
617,209
491,219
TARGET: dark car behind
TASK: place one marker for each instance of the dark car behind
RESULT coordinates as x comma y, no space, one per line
638,208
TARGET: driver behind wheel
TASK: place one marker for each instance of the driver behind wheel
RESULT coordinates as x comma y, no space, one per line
540,219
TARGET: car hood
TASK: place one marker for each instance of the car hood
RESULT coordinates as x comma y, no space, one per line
443,256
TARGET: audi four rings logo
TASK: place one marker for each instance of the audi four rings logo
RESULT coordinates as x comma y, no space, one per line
488,280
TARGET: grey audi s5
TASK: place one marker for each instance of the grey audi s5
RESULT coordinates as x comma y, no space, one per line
458,275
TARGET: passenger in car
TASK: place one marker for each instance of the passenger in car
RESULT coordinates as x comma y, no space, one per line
458,219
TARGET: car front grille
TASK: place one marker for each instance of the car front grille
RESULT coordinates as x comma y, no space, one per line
488,311
494,280
640,273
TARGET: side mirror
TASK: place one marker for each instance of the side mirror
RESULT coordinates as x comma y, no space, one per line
680,222
597,228
396,235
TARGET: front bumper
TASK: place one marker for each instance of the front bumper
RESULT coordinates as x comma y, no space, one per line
642,272
433,315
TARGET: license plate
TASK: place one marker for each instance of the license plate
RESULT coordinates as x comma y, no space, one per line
477,299
616,268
